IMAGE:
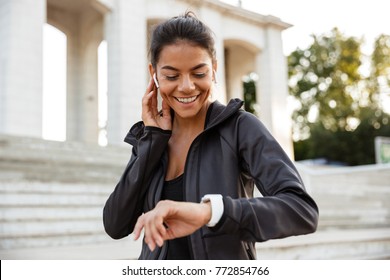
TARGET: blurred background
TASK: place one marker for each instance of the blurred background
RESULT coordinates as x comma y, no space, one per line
72,75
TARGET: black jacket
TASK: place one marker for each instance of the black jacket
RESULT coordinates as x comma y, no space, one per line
233,154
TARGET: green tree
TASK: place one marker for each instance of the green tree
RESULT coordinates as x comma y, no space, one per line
338,113
250,96
379,79
323,79
249,86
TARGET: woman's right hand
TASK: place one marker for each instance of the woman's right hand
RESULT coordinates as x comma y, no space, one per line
150,114
170,220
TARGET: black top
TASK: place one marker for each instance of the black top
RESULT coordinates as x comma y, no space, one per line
178,249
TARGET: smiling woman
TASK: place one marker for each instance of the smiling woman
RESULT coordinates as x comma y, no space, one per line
189,184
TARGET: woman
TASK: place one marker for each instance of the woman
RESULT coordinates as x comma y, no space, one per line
190,180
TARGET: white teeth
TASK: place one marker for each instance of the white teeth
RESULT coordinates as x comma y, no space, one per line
186,100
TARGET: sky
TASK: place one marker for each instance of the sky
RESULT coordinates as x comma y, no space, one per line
358,18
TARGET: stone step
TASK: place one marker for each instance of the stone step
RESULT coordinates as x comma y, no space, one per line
330,244
350,197
40,160
363,244
48,241
28,187
53,213
48,200
105,250
18,148
332,177
58,172
51,228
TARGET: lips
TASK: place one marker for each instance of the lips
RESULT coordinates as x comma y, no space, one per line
186,100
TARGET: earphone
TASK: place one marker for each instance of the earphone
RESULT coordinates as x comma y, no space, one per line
155,80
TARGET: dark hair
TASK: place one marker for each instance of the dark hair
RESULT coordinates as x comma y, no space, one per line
186,27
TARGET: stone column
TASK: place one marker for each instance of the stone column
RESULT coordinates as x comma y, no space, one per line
21,40
272,90
214,20
82,71
126,33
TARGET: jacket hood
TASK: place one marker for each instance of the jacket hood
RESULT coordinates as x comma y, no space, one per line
218,112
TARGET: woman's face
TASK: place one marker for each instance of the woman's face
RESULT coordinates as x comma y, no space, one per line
185,75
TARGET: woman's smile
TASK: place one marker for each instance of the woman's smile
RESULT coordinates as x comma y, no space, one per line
186,100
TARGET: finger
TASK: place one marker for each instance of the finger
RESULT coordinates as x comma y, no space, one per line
149,103
138,227
152,246
150,242
154,102
149,239
154,233
150,86
150,90
146,100
148,113
162,230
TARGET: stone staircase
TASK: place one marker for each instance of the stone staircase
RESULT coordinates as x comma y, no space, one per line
350,197
52,195
354,204
31,159
37,214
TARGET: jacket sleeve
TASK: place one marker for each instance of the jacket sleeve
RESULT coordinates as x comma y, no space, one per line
285,209
125,204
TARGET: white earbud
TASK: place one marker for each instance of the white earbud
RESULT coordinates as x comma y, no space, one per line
215,77
155,80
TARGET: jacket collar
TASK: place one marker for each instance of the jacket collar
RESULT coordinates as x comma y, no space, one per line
218,112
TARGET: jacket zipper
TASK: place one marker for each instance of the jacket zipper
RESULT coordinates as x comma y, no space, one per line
197,185
197,139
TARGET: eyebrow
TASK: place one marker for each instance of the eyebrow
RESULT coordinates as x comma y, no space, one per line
168,67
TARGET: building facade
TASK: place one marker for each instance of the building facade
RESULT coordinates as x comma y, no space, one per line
246,42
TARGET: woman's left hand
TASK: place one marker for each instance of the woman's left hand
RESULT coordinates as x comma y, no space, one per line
170,220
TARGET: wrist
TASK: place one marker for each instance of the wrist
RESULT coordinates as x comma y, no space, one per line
216,206
206,210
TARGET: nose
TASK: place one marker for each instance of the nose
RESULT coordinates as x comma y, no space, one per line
186,84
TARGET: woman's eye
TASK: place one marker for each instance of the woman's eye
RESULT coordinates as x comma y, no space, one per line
200,75
171,78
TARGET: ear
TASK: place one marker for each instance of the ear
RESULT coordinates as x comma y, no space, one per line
151,70
215,66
